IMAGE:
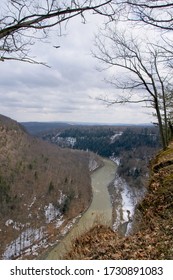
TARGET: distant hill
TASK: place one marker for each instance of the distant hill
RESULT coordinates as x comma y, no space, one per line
42,188
35,128
38,128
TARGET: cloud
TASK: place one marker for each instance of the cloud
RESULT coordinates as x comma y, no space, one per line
67,90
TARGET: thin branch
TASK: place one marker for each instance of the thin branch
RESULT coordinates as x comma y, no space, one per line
31,21
123,100
40,17
27,59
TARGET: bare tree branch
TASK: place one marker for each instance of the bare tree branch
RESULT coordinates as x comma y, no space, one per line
123,100
22,21
158,13
143,70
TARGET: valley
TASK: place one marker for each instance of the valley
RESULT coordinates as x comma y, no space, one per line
46,180
132,147
86,167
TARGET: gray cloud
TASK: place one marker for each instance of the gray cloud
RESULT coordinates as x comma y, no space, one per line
62,92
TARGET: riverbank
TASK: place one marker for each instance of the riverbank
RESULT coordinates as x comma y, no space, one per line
152,236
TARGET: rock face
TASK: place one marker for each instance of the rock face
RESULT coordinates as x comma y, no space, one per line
42,188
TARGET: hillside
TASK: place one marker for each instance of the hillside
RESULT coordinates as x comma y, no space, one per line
131,146
40,187
152,227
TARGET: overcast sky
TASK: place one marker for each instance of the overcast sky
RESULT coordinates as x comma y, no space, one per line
67,91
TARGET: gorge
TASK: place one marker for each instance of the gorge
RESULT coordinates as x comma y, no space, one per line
100,212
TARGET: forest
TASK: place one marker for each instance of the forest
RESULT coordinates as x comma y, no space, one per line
133,146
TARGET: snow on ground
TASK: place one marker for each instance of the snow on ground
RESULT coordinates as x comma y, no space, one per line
51,213
26,239
15,225
59,222
127,198
66,229
9,222
62,198
31,240
116,135
116,160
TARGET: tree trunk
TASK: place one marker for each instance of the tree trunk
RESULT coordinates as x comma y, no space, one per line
161,129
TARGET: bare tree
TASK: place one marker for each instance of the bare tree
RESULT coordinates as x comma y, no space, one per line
22,22
145,73
157,13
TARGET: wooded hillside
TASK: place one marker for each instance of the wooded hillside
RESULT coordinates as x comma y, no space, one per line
39,184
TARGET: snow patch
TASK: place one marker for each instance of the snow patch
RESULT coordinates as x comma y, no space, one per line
26,239
15,225
9,222
127,198
62,198
51,213
59,222
117,160
67,228
116,135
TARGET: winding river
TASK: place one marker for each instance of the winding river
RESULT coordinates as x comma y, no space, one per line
100,210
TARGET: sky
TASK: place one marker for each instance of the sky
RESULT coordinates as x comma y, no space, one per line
68,91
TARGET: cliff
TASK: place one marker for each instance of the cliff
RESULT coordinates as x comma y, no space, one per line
152,226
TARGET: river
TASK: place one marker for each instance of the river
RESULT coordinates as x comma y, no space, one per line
114,208
100,210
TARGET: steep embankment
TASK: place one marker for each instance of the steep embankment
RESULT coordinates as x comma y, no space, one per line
153,225
42,188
